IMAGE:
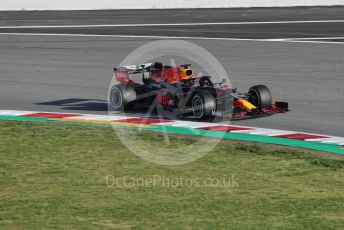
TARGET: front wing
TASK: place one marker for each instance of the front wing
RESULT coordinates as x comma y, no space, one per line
277,107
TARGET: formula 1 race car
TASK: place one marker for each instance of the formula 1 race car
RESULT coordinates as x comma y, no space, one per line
176,89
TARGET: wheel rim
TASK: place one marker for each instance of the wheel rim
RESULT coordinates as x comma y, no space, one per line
254,98
116,98
197,107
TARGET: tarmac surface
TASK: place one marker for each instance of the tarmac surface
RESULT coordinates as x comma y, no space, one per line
305,66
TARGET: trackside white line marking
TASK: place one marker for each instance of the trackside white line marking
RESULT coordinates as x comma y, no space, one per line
14,113
315,38
334,142
307,41
318,40
265,132
169,24
132,36
93,117
118,118
168,37
189,124
330,140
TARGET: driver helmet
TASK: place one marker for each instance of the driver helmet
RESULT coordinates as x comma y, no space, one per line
156,68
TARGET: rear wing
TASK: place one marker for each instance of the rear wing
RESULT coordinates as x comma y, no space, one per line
124,74
133,69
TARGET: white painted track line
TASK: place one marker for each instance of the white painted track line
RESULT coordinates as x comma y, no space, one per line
190,124
265,132
330,140
13,112
309,41
315,38
169,24
132,36
176,37
93,117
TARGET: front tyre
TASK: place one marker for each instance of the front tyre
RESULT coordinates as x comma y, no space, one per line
260,96
203,104
122,97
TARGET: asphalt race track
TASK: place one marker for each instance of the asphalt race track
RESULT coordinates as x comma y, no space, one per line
302,63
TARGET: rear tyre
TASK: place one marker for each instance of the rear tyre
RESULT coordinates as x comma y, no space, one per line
203,104
260,96
122,97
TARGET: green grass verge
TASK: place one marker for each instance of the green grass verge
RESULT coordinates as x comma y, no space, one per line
53,176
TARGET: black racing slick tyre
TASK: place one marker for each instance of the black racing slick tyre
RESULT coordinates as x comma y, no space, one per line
260,96
122,97
203,105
